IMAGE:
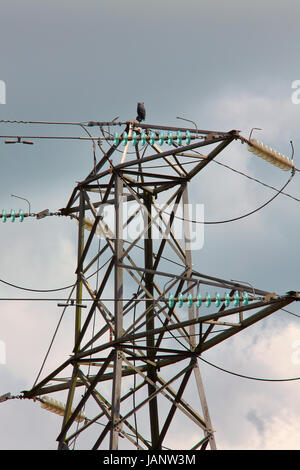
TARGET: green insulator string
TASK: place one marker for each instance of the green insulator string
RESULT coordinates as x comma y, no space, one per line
170,138
218,299
12,215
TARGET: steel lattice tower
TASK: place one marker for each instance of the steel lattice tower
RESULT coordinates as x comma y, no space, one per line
130,370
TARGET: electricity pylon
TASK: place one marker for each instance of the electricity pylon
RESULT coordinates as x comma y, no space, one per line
134,367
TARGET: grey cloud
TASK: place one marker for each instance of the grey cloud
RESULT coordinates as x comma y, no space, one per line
256,421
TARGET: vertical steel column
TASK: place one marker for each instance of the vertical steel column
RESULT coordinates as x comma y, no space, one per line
72,388
188,257
118,311
79,273
151,370
211,437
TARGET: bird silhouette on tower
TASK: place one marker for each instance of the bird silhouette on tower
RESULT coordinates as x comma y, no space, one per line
141,112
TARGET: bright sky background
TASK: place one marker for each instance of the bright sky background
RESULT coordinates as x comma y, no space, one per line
225,65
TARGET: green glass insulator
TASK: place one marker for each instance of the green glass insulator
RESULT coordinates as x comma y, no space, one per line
124,138
245,298
12,215
188,137
4,215
152,138
180,300
208,300
21,215
161,138
134,138
218,300
179,138
116,139
236,299
170,138
171,301
227,300
143,138
199,300
190,300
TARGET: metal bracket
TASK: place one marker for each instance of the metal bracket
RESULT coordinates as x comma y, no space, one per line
6,396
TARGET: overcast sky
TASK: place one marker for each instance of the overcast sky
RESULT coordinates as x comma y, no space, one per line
225,65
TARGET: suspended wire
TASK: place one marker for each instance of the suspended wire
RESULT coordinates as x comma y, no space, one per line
52,340
250,177
291,313
94,157
234,218
83,124
35,290
70,286
235,171
8,121
247,376
226,220
230,372
54,335
93,143
235,373
51,290
255,179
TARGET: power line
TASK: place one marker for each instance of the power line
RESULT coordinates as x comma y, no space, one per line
68,287
52,339
51,290
291,313
35,290
252,178
108,123
255,179
247,376
234,218
225,220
